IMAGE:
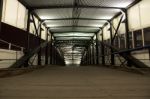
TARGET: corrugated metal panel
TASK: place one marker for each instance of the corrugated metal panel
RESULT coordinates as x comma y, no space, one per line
35,3
98,13
107,3
73,34
55,23
88,29
54,13
64,29
73,38
68,29
94,23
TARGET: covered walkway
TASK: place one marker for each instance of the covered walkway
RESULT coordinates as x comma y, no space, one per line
61,49
54,82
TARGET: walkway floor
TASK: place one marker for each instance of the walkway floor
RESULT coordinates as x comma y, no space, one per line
76,83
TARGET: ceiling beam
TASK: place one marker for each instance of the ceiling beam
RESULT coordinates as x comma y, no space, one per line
134,3
71,36
72,6
75,19
73,31
74,27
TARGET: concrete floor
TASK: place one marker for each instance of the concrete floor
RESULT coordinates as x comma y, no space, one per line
76,83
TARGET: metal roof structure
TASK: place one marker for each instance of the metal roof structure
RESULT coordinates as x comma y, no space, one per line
75,20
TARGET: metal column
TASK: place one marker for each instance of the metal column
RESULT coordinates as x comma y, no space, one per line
39,42
127,33
97,50
28,37
103,49
1,11
112,43
46,49
93,52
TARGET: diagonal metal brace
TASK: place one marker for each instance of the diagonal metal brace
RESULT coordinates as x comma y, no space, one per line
116,32
27,56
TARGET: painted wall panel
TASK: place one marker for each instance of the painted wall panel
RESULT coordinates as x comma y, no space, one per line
134,18
14,13
11,12
9,54
43,33
145,13
139,15
21,18
106,33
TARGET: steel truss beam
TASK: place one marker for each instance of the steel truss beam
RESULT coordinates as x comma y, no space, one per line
72,6
71,36
74,27
63,32
75,19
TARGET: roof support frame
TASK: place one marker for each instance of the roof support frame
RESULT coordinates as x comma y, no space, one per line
72,6
75,19
74,27
71,36
73,31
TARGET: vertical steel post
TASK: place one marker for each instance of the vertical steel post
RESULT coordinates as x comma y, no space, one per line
28,29
39,42
90,55
86,57
97,50
93,48
103,49
1,11
46,49
127,29
112,43
28,37
127,33
51,55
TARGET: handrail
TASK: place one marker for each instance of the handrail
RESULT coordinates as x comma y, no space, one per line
134,49
127,57
10,45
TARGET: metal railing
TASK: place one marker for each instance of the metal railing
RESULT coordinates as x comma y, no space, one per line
10,45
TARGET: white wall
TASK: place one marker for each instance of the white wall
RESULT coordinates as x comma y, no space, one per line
143,56
14,13
106,32
9,54
139,15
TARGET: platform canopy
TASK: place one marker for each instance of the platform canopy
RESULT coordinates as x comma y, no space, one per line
76,19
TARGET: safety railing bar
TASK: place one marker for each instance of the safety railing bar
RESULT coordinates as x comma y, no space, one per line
4,41
135,49
7,59
129,50
10,44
